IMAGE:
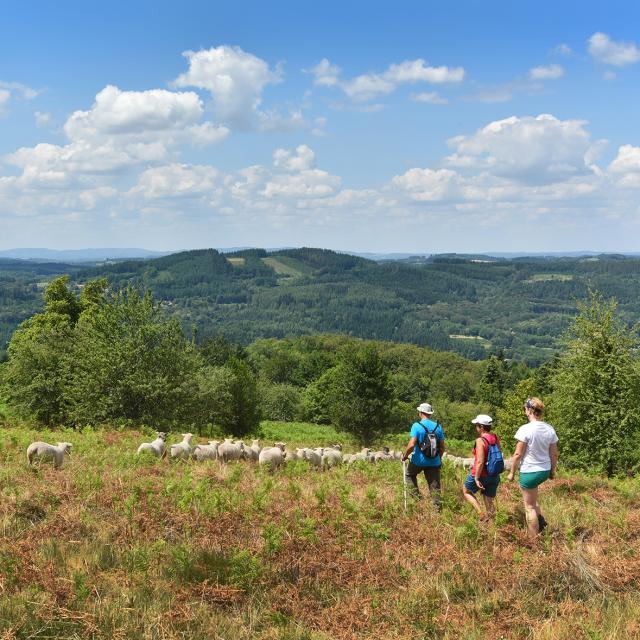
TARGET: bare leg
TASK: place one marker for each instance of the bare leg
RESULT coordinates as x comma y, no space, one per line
490,505
471,499
532,509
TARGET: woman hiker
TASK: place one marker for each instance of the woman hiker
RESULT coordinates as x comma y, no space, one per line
479,478
537,456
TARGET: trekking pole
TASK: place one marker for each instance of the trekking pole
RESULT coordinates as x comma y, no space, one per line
404,478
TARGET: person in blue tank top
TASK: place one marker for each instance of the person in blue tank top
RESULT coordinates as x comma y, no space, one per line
425,459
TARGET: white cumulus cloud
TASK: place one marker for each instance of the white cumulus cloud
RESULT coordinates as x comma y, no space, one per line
236,80
368,86
548,72
619,54
529,149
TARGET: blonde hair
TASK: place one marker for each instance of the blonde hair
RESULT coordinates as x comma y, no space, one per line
536,405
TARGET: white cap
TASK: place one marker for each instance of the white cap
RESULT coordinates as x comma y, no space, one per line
425,407
483,419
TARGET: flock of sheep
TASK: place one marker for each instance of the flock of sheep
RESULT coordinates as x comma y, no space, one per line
230,450
273,457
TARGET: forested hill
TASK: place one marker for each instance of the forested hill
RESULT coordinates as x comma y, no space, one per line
471,305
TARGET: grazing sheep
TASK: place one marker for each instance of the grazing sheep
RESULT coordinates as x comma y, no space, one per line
230,450
272,456
157,447
313,458
182,450
291,456
206,451
365,454
252,452
49,452
379,456
348,458
331,458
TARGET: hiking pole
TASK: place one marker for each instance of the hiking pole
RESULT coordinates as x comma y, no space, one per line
404,477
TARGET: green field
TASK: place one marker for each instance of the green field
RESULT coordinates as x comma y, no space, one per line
117,546
286,266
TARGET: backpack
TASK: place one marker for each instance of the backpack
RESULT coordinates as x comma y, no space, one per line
494,464
429,446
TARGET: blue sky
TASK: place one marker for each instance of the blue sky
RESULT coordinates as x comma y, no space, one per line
459,126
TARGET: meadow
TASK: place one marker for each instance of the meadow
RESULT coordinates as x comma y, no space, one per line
113,545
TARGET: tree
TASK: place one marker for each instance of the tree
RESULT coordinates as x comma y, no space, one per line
229,395
595,406
35,376
510,415
492,383
129,362
361,395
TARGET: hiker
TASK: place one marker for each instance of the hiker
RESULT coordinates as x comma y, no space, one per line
482,478
426,446
537,456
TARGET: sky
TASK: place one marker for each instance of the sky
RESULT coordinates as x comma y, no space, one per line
427,127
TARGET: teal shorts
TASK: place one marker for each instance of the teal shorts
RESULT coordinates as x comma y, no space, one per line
533,479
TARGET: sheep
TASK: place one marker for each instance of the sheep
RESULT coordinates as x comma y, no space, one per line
157,447
312,457
379,456
49,452
206,451
331,457
230,450
365,454
181,450
252,452
291,456
272,456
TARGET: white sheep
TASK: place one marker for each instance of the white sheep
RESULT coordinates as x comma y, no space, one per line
252,452
181,450
313,458
157,447
49,452
230,450
206,451
331,457
291,456
272,456
365,455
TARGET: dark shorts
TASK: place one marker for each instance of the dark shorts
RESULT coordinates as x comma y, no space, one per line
490,485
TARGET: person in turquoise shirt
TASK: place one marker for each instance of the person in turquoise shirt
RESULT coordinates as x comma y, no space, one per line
421,463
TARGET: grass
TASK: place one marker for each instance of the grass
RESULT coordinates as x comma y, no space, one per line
286,266
550,277
117,546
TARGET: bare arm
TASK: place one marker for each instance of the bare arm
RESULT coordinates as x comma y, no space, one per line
409,449
553,453
517,458
480,457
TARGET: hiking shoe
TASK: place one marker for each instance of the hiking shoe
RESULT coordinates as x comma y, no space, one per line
542,523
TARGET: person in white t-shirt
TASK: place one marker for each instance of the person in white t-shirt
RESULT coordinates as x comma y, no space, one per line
537,456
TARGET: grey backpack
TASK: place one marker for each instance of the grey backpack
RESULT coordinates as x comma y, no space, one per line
429,446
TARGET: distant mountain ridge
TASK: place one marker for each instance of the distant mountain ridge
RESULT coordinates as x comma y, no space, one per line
81,255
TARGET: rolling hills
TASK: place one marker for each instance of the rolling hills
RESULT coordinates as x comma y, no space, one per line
471,305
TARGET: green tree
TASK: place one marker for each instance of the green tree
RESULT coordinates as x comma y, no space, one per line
595,406
229,395
129,362
279,401
510,415
362,399
35,376
492,383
